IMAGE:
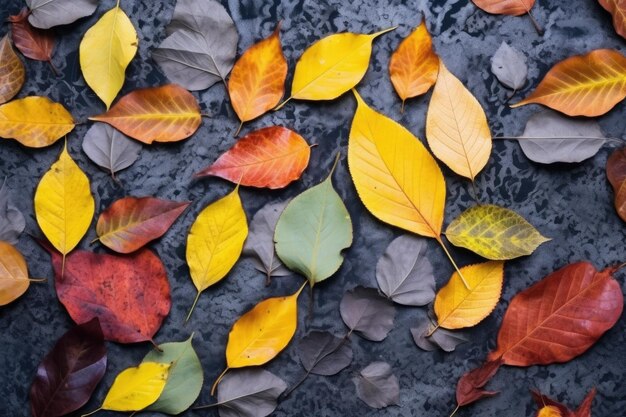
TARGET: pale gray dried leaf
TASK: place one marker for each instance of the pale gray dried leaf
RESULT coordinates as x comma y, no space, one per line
201,45
368,313
550,137
12,221
377,386
249,393
509,66
321,353
45,14
405,274
110,148
443,339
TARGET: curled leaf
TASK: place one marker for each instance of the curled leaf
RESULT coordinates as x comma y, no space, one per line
364,311
377,386
109,148
12,72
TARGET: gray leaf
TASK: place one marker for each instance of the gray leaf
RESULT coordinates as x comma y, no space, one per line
109,148
377,386
550,137
509,66
249,393
405,274
48,13
443,339
201,47
322,353
12,221
368,313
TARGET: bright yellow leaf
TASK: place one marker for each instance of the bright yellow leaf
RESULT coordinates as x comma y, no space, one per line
456,126
549,411
215,241
105,51
457,306
13,274
64,206
136,388
34,121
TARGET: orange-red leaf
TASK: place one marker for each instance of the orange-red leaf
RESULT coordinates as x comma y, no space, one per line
12,73
510,7
257,81
158,114
616,173
271,157
33,43
617,8
551,408
130,223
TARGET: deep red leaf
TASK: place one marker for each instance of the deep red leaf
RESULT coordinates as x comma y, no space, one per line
469,387
583,411
32,42
70,372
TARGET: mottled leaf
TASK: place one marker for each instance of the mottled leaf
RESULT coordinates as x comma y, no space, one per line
367,313
109,148
377,386
321,353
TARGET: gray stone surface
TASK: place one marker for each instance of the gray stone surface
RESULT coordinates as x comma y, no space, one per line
571,204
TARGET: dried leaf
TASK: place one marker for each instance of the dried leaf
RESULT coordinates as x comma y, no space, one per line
367,313
377,386
33,43
508,7
428,337
321,353
109,148
616,173
14,279
249,393
157,114
551,408
12,222
12,72
45,14
470,386
617,8
509,66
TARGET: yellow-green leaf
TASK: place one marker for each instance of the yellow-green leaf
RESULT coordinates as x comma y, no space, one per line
136,388
105,51
494,232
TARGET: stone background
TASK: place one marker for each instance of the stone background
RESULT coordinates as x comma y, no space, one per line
572,204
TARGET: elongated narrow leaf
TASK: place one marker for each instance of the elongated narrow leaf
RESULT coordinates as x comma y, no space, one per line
321,353
12,222
14,279
136,388
45,14
12,72
509,66
249,393
377,386
616,173
33,43
366,312
109,148
617,9
508,7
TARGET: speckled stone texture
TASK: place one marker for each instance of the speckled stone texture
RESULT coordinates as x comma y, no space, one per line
572,204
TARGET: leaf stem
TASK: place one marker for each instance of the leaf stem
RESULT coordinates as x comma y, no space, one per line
238,129
538,28
445,249
432,331
93,412
280,106
455,410
193,306
296,385
332,170
217,381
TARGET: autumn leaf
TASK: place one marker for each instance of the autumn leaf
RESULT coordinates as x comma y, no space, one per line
509,66
414,65
551,408
271,157
470,387
616,173
321,353
109,148
429,336
130,223
583,85
549,411
45,14
509,7
14,280
257,81
368,313
617,8
34,121
12,72
377,386
33,43
157,114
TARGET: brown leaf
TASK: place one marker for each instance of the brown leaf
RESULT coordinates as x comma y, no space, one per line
33,43
12,73
469,387
616,173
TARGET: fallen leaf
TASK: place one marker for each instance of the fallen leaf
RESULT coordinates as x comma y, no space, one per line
584,410
616,173
508,7
33,43
109,148
377,386
367,313
257,81
427,336
551,408
456,126
68,375
457,306
549,411
34,121
14,280
64,206
404,273
105,51
583,85
131,223
12,72
413,67
470,386
12,222
271,157
215,242
201,45
156,114
494,232
617,8
45,14
313,230
321,353
129,294
509,66
249,393
185,378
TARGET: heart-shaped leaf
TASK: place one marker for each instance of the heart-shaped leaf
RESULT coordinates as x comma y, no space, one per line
367,313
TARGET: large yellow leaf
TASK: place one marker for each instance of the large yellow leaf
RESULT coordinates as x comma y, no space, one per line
34,121
136,388
456,126
64,205
105,51
215,241
13,274
457,306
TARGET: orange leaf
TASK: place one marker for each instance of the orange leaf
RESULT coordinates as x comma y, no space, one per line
271,157
414,65
158,114
13,274
510,7
257,81
617,8
12,73
583,85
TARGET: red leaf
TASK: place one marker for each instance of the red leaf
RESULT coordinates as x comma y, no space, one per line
130,223
32,42
585,407
583,411
469,387
70,372
129,294
616,173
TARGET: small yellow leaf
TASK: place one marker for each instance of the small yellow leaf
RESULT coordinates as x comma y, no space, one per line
456,126
549,411
136,388
457,306
64,206
105,51
13,274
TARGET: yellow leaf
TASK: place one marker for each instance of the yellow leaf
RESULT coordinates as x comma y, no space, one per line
457,306
105,51
549,411
456,126
136,388
215,241
13,274
34,121
64,206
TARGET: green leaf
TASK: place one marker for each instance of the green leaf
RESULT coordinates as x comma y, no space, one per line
185,378
494,232
312,231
